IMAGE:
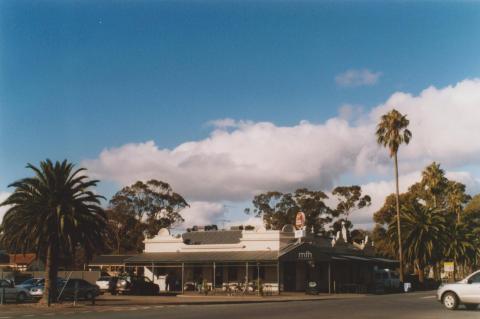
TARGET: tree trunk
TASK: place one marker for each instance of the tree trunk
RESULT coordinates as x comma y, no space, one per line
421,273
397,198
51,269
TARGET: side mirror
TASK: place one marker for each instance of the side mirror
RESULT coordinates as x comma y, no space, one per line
469,281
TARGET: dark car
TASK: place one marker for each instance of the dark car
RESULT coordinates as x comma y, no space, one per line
136,285
79,289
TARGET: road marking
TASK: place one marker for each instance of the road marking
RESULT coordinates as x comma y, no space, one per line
5,317
27,315
428,297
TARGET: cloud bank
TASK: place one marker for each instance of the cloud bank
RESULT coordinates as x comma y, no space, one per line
241,158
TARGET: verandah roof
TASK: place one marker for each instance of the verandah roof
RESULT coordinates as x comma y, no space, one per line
196,257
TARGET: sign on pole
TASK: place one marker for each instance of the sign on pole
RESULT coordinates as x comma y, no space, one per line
300,221
448,266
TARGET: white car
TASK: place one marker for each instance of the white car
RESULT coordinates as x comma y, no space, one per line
466,292
13,293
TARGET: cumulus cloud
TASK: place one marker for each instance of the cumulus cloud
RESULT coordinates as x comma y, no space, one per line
241,159
234,165
202,213
357,77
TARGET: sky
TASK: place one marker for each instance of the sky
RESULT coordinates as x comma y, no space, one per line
227,99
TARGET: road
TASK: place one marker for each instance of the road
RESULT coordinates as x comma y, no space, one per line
413,305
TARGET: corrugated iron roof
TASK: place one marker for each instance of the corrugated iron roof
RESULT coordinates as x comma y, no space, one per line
217,256
220,237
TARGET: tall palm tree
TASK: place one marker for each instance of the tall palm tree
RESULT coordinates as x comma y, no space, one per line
423,231
391,133
434,181
456,198
52,213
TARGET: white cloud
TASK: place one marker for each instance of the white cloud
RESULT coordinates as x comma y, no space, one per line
240,159
238,164
357,77
202,213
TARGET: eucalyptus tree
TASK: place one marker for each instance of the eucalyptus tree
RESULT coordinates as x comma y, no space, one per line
154,204
53,213
278,209
350,198
391,133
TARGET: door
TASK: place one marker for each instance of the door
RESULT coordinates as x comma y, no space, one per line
470,292
289,276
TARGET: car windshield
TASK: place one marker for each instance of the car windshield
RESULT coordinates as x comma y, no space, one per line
31,281
104,279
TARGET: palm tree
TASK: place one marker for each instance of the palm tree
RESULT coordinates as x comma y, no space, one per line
53,213
434,181
456,198
461,246
391,133
423,231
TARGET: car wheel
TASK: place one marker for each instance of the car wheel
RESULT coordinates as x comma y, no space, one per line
21,297
450,301
471,306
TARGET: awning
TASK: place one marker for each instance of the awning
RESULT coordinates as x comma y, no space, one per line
196,257
109,260
356,258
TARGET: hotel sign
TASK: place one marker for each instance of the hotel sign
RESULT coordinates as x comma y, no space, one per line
305,255
300,221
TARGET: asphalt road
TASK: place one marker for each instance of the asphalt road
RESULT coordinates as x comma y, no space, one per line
412,306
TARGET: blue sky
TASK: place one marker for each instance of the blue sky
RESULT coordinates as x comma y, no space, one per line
78,77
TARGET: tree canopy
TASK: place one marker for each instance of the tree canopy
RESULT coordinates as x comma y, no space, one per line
279,209
140,211
53,213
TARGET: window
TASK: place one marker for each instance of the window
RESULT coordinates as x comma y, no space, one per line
475,278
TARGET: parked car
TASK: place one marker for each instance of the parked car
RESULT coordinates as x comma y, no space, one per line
107,284
36,292
79,288
137,285
386,280
466,292
13,293
30,283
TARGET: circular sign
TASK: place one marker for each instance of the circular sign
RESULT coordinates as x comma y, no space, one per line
300,220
